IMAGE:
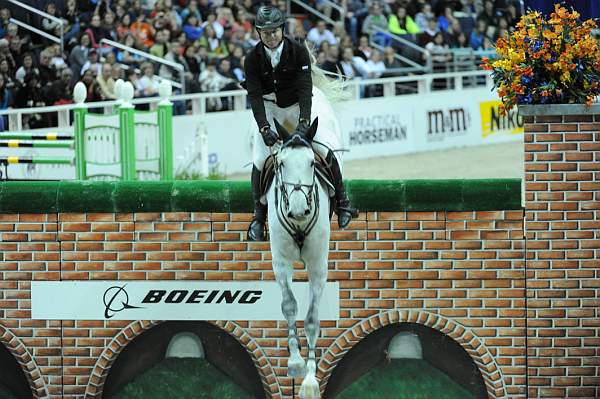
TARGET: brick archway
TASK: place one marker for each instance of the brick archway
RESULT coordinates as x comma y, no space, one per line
136,328
26,361
465,338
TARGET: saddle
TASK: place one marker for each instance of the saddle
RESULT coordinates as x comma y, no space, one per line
322,169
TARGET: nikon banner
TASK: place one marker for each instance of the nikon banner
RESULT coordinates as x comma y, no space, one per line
172,300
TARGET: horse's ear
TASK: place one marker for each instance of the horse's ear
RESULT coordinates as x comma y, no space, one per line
312,130
281,131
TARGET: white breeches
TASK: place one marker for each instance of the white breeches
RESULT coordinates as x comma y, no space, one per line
327,133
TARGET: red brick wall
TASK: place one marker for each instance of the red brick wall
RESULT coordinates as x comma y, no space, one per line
462,273
562,164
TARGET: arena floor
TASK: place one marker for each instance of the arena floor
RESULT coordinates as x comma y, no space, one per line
481,162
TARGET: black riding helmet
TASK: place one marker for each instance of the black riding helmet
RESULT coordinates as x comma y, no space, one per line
269,17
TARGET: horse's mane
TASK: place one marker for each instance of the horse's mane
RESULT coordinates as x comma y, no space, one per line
332,88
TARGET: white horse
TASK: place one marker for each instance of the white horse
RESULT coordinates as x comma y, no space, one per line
299,231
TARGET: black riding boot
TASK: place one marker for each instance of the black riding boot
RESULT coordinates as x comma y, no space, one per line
256,230
345,211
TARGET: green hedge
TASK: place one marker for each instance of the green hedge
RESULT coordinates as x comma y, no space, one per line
234,196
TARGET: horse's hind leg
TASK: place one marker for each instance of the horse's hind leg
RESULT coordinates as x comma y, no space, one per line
317,276
289,307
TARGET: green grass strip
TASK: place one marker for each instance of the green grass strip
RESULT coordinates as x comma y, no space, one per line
182,378
405,379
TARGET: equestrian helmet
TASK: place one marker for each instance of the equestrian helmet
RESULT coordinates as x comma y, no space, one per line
269,17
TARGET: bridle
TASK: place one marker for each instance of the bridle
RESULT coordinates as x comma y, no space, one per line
311,194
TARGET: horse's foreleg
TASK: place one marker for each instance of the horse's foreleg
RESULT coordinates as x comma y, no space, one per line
310,385
289,307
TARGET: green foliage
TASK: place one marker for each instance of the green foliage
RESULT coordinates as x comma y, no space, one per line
182,378
405,379
212,175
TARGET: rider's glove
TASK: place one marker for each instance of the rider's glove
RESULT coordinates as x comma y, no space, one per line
269,135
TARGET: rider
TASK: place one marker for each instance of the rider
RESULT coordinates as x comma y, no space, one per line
279,84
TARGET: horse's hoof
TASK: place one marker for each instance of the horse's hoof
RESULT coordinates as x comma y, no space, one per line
310,388
296,368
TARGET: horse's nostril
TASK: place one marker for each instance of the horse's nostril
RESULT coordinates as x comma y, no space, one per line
290,215
306,212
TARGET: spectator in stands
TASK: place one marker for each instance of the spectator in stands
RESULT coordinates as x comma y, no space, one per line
212,81
489,14
29,94
26,68
5,102
512,15
79,55
375,65
5,54
117,72
389,59
363,50
93,89
46,73
128,57
60,91
446,20
124,27
173,55
332,60
191,9
460,41
439,49
8,73
192,28
353,9
423,16
4,21
72,21
133,78
347,63
478,35
110,26
106,83
147,85
503,28
57,60
402,24
428,34
472,7
50,26
159,48
143,31
92,63
170,13
376,23
217,48
320,34
97,32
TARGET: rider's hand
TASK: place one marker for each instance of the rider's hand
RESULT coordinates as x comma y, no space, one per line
269,136
302,127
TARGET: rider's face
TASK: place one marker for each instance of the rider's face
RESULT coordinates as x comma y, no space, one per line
271,37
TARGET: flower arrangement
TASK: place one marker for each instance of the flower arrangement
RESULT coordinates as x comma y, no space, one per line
547,61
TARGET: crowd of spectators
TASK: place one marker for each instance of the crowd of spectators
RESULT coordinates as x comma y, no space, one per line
210,38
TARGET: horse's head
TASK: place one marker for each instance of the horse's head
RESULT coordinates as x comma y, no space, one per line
295,165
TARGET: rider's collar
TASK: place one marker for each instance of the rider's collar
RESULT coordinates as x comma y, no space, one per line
275,54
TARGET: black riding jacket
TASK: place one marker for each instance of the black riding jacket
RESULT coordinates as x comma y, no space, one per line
291,80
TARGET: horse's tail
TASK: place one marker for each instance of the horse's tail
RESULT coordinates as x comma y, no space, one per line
332,88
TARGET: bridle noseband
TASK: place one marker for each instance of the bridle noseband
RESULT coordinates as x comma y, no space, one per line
310,194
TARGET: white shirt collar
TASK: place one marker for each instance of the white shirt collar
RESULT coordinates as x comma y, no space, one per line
275,54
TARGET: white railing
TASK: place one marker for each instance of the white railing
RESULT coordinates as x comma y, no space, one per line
198,100
40,32
149,56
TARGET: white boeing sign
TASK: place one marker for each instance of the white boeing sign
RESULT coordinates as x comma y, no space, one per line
172,300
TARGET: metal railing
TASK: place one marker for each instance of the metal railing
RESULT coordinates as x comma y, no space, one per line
34,10
178,67
416,84
427,68
311,10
